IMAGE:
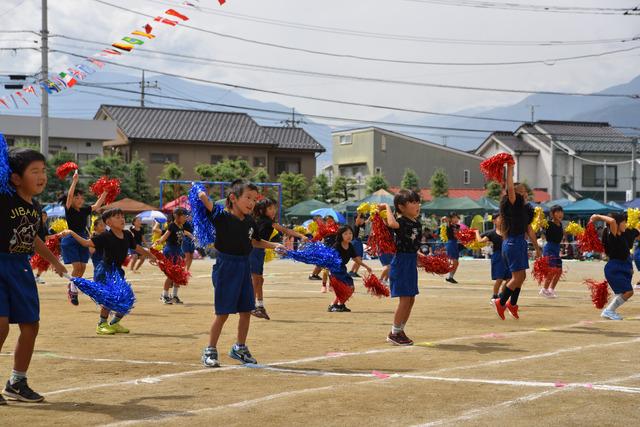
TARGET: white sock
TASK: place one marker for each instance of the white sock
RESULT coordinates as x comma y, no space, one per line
165,293
450,275
259,303
73,288
17,376
617,302
396,329
175,291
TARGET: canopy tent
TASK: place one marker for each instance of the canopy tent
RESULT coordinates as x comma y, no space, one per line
588,207
302,211
346,207
180,202
445,205
617,205
560,202
325,212
635,203
380,196
489,204
128,206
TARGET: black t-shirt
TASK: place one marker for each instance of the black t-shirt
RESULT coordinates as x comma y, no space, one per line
554,233
43,231
137,235
234,235
452,229
495,239
408,236
114,249
516,216
359,232
77,219
20,224
345,254
176,234
187,226
265,228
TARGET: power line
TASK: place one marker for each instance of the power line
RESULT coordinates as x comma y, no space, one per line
529,7
402,37
547,61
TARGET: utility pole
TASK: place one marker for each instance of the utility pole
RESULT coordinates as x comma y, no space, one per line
444,140
293,123
634,148
532,108
605,181
44,74
146,85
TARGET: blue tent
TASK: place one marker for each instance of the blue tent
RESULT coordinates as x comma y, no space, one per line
489,204
587,207
560,202
380,196
635,203
617,205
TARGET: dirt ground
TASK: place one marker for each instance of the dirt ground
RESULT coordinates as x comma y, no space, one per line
560,364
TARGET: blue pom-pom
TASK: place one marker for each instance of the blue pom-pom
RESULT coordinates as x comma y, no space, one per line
315,253
5,169
114,293
203,229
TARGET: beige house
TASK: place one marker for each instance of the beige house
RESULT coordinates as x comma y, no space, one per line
191,137
359,153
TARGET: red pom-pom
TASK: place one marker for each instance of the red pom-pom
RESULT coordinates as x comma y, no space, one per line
64,169
380,238
325,230
40,264
438,263
126,261
543,271
110,186
466,236
342,290
175,271
375,287
589,240
493,167
599,292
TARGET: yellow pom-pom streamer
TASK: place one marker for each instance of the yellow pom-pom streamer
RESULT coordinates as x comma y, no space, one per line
269,255
300,229
443,233
574,229
313,227
365,209
476,246
59,225
539,220
633,218
93,220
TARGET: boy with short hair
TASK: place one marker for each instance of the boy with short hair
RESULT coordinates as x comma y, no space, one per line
114,244
19,302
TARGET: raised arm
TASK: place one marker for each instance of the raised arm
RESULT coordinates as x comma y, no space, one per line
206,201
72,189
613,225
511,189
99,202
391,219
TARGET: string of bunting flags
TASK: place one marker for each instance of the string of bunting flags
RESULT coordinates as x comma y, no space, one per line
67,79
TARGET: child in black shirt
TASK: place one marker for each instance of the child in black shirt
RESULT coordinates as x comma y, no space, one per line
114,245
77,215
554,234
499,269
359,234
347,253
404,268
174,236
453,250
236,236
617,240
19,302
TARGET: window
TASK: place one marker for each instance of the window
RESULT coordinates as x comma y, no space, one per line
383,143
378,170
345,139
467,177
88,144
83,159
259,162
593,176
288,165
11,142
161,158
215,159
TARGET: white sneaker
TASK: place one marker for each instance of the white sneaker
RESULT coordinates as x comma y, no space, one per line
611,315
553,294
210,358
543,293
40,281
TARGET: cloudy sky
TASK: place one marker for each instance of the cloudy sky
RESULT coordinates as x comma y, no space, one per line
405,30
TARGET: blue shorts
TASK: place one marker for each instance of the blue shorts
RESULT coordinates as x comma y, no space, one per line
188,246
343,276
172,252
403,276
552,250
499,268
233,290
72,251
515,253
453,251
19,299
256,260
358,246
386,259
619,273
100,273
636,258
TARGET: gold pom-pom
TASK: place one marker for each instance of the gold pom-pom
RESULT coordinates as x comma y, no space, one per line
269,255
539,220
574,229
59,225
476,246
443,233
313,227
300,229
365,208
633,218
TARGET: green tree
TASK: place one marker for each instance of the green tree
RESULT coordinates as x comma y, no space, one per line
494,190
56,188
260,175
376,182
225,171
410,180
294,188
112,166
171,172
136,185
343,188
439,183
321,189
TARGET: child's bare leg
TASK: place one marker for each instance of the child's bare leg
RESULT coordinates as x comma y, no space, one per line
216,329
25,346
4,330
243,328
496,287
257,281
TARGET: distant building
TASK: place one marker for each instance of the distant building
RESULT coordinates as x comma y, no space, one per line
538,196
360,153
82,138
191,137
567,158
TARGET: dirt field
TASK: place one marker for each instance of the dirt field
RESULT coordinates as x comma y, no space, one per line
560,364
